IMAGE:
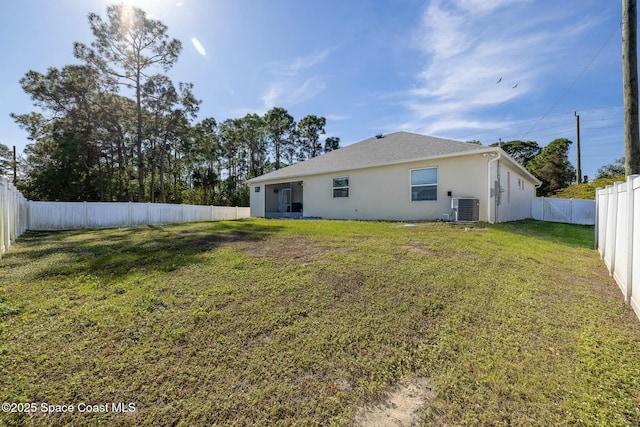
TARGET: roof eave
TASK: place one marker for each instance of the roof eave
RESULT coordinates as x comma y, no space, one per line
484,150
517,165
374,165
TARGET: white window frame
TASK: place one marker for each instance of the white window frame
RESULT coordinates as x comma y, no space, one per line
343,187
411,185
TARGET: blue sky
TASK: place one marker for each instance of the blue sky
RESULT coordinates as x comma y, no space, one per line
369,67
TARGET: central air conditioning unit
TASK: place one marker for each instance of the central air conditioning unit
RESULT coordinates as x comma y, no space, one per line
465,209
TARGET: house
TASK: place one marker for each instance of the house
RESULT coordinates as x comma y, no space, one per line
400,176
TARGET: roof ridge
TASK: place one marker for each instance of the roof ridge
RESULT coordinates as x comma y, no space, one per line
396,147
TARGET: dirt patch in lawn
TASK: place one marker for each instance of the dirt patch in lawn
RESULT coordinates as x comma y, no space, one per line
416,249
294,248
402,407
298,248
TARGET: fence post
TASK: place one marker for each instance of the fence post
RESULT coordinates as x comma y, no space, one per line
596,229
9,228
6,219
614,218
573,220
3,206
605,219
84,214
13,218
5,215
630,230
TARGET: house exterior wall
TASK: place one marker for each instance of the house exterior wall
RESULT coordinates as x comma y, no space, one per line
516,196
384,192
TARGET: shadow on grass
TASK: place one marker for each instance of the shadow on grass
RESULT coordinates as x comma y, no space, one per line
116,252
569,234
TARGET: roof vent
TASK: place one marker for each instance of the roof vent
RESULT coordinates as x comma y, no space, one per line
380,136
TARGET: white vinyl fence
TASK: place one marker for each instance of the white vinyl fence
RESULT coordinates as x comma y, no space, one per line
618,235
572,211
18,215
75,215
13,214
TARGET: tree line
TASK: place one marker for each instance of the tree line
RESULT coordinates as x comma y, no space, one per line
550,164
116,128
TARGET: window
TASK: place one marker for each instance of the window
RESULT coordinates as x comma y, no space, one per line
424,184
341,187
256,189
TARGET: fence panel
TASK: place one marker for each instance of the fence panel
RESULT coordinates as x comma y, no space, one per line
18,215
106,215
618,235
45,216
140,214
572,211
13,214
633,269
75,215
4,211
619,262
223,213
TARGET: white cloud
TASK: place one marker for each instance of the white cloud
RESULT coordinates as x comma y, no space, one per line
336,117
468,46
292,92
485,6
295,66
291,85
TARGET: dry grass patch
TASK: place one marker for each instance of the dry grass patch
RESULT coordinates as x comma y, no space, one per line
401,407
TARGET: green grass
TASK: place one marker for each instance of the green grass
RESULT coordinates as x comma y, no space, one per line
263,322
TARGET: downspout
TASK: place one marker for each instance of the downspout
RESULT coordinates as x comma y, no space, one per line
489,187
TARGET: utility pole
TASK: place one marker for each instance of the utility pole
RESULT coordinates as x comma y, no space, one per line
578,163
630,86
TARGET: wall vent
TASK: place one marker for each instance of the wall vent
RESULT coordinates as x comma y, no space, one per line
465,208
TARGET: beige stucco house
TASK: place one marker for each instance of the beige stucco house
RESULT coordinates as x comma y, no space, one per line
400,176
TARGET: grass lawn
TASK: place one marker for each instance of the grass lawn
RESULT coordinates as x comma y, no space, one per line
265,322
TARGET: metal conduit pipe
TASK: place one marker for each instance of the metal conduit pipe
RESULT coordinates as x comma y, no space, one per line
489,185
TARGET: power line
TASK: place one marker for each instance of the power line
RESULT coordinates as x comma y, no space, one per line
604,119
598,117
604,127
582,110
558,134
493,130
507,126
601,108
573,83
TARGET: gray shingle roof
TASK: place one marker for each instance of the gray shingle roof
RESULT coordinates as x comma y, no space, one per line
393,148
